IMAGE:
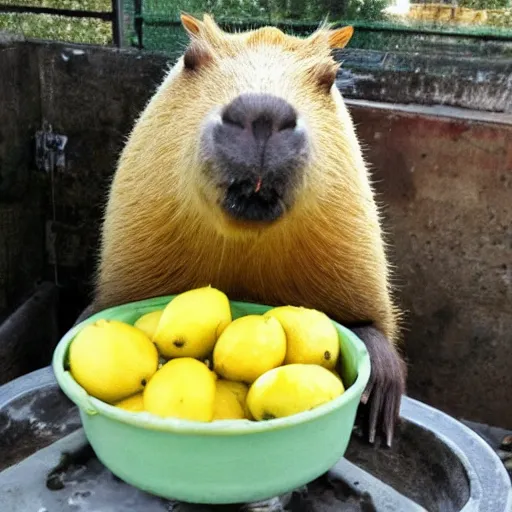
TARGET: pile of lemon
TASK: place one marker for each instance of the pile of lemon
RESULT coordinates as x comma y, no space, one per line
191,360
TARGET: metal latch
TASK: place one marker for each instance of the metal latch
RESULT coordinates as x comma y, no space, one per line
50,147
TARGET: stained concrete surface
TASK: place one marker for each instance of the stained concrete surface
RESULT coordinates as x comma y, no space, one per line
447,184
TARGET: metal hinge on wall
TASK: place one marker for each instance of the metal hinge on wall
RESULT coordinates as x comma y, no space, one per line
50,146
51,159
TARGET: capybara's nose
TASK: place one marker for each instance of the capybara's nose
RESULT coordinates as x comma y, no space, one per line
256,151
257,136
261,115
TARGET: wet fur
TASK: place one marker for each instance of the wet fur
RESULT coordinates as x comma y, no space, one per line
163,232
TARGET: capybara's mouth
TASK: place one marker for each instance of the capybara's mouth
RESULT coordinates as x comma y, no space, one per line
253,202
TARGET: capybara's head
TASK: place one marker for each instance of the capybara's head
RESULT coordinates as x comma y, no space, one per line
254,121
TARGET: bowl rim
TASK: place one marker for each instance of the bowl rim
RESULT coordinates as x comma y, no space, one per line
90,405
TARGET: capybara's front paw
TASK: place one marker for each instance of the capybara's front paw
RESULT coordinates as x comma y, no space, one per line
382,397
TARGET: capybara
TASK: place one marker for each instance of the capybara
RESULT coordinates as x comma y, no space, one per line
244,172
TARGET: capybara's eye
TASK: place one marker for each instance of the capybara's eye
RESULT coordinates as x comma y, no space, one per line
324,75
196,56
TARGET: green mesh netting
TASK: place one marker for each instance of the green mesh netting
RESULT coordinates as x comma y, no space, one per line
380,25
154,24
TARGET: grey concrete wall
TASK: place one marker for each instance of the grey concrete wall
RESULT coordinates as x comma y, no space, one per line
447,184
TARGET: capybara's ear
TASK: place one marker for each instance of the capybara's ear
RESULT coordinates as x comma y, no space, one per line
340,37
191,24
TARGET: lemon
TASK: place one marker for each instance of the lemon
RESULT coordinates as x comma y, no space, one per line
191,323
149,322
133,403
112,360
183,388
238,389
248,347
247,413
291,389
227,405
311,337
338,376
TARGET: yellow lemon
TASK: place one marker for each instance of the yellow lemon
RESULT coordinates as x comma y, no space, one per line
112,360
338,376
149,322
191,323
133,403
248,347
183,388
311,337
291,389
238,389
227,406
247,413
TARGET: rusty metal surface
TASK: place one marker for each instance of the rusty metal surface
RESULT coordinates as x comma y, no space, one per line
448,189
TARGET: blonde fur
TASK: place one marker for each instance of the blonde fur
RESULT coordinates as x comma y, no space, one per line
164,233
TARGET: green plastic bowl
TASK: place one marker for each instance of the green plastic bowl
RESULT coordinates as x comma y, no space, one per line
223,462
